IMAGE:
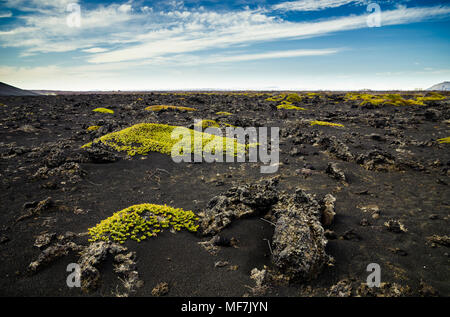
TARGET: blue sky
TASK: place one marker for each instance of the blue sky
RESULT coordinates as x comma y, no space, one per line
239,44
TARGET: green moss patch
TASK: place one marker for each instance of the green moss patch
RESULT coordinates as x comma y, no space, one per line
152,137
224,113
204,124
393,99
289,98
324,123
432,96
143,221
294,98
166,107
103,110
289,106
277,98
287,101
93,128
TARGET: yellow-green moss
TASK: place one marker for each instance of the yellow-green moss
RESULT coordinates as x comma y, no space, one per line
294,98
93,128
151,137
444,140
103,110
324,123
289,106
393,99
143,221
204,124
376,100
398,100
432,96
166,107
224,113
276,98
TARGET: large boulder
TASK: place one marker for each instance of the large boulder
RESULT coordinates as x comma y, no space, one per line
299,241
236,203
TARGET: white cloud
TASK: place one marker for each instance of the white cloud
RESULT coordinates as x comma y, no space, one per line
311,5
272,55
239,29
95,50
7,14
192,60
146,9
39,6
125,8
140,33
21,4
48,31
123,38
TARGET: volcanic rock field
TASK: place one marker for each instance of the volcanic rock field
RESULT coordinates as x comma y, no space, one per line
88,179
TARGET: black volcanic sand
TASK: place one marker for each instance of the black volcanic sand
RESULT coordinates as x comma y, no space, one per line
416,192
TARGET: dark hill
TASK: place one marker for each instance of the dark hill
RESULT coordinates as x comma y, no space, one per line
7,90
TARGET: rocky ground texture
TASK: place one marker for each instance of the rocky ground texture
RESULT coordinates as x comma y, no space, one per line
374,190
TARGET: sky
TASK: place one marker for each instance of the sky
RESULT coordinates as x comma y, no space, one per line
232,45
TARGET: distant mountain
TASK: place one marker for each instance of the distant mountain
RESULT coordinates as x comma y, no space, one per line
7,90
445,86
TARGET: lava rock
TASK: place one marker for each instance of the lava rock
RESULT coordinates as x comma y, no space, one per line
334,171
299,241
236,203
328,212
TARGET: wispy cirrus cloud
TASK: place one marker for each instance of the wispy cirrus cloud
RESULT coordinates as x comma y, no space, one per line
46,30
227,33
313,5
192,60
273,55
127,31
94,50
128,36
25,5
6,14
